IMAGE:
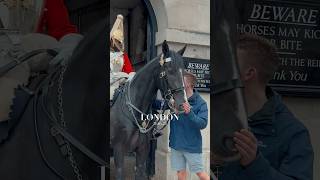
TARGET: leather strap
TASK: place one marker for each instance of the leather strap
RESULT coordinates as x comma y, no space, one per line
59,130
79,145
4,69
227,86
1,24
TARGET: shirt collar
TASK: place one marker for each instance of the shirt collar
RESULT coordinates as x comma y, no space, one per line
266,114
194,96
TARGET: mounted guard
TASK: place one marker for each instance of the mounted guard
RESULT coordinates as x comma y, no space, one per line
120,66
26,54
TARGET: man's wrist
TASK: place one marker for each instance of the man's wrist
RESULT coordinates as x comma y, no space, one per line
190,115
248,164
258,166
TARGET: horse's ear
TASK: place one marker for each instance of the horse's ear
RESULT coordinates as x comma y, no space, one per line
165,48
181,51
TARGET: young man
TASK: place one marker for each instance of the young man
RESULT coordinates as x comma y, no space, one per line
54,21
185,138
118,55
277,147
120,65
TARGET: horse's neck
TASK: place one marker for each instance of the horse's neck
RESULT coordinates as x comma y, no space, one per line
143,86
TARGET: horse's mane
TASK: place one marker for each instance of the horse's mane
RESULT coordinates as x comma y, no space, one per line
147,66
157,58
92,39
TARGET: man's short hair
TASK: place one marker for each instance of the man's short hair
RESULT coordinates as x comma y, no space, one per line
191,78
260,53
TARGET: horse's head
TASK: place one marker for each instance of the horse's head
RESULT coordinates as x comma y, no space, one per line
171,76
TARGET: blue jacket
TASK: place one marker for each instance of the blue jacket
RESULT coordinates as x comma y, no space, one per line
185,132
284,148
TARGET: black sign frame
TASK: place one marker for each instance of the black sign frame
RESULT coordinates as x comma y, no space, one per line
299,73
195,66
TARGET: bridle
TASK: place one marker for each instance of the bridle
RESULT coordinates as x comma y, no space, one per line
27,56
222,87
168,94
58,131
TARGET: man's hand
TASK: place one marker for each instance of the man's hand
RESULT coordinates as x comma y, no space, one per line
186,107
246,144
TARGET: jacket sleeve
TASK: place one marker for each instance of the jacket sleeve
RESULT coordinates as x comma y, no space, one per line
127,67
296,165
200,118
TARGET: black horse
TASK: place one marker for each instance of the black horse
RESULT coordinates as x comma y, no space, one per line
128,132
73,97
228,105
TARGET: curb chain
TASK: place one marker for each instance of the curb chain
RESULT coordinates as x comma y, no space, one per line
71,158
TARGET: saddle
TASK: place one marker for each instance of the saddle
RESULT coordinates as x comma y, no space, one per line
22,97
18,84
39,50
116,94
14,71
118,79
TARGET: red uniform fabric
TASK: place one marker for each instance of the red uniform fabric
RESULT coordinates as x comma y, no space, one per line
55,20
127,67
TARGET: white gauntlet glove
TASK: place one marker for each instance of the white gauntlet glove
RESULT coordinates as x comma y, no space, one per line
65,49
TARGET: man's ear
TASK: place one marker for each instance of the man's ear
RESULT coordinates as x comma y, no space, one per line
250,74
187,83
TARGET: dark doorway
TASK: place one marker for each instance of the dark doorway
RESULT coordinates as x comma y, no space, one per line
139,30
85,14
